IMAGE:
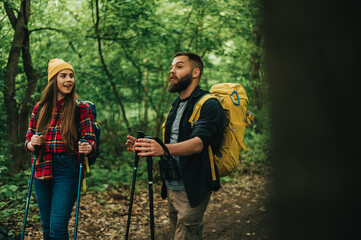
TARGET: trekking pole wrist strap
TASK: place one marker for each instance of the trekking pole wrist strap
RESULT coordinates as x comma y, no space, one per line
166,150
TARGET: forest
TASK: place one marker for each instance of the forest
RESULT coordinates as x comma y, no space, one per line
121,52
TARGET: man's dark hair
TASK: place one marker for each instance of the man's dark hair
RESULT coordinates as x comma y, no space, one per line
196,60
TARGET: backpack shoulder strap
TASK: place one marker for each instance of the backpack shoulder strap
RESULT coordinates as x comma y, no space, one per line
197,109
211,161
163,125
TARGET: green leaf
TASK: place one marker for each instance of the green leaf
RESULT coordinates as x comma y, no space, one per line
13,188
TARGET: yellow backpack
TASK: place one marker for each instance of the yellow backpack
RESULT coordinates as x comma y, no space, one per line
234,101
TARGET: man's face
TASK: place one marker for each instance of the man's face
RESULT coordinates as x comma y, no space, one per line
180,76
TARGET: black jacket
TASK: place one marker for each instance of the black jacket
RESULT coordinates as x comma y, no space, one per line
209,128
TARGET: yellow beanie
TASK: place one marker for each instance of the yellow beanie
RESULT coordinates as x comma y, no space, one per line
56,65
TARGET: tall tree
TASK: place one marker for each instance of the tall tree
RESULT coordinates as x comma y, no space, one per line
110,79
16,113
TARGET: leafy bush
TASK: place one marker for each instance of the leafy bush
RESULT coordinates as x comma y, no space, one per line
114,172
13,196
258,142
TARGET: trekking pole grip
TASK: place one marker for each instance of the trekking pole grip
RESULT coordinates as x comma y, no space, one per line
82,154
140,134
37,147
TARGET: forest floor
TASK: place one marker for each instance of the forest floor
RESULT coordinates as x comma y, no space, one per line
239,210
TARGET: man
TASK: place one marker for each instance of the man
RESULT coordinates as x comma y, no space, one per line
189,195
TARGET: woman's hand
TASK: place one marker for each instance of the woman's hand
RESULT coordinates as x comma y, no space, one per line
85,148
36,140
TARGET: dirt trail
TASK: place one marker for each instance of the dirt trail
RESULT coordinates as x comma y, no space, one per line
237,211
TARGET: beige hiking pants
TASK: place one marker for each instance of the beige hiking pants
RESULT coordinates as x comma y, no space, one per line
186,223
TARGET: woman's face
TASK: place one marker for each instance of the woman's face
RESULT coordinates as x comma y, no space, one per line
65,82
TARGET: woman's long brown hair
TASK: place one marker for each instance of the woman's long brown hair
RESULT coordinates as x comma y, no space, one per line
68,129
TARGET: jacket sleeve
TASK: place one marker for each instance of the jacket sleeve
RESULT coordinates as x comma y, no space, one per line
32,125
211,123
87,126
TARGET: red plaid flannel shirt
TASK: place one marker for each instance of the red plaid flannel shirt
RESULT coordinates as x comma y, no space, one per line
53,142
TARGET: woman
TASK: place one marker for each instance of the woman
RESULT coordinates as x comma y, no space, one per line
62,123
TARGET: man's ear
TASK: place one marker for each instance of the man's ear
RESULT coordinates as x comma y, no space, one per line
196,73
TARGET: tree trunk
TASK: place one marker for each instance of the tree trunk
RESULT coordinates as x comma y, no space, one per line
9,90
32,78
16,123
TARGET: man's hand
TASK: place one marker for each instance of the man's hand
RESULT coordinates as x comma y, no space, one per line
130,143
148,147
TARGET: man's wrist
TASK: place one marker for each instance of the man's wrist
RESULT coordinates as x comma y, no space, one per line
164,152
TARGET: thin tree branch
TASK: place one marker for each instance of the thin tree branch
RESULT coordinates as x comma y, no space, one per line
47,28
106,68
11,15
184,29
111,39
73,48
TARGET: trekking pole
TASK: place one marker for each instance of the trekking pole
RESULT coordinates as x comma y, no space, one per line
78,197
150,188
136,160
36,152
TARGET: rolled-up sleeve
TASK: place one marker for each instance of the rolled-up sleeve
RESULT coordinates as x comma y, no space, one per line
211,123
87,126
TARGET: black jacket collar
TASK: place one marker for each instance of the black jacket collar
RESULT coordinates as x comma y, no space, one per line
197,92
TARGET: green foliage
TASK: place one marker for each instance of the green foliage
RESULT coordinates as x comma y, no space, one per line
114,172
13,195
138,39
258,142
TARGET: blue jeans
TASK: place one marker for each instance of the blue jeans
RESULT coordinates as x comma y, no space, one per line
56,197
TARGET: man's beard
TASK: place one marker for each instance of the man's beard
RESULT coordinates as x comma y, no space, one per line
182,83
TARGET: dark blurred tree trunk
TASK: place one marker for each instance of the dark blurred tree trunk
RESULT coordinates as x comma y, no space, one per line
9,94
255,68
313,62
16,125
